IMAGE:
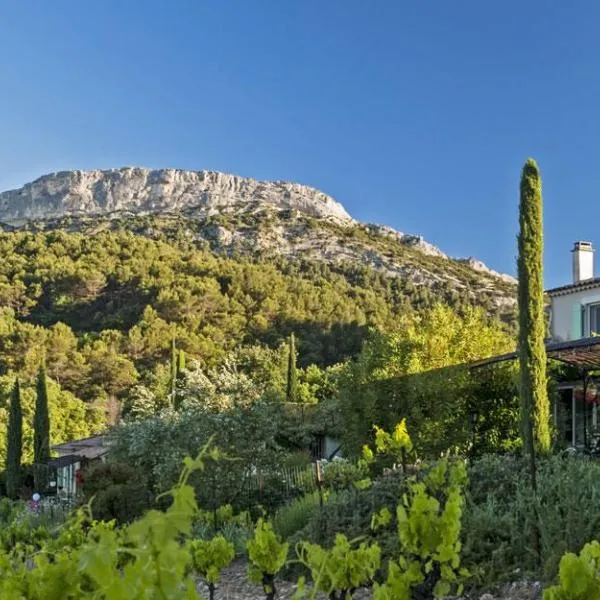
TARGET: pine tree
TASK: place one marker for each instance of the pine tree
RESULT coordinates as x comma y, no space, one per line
291,393
14,443
535,410
41,430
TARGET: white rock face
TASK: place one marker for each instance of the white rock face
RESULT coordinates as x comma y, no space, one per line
145,191
477,265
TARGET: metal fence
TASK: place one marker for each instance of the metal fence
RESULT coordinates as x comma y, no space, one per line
279,485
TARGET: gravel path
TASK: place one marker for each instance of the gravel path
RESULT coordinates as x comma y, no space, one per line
234,585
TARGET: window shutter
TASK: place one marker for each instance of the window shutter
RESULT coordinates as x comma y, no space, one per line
577,326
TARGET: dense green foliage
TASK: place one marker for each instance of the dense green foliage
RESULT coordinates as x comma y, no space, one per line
247,434
132,325
388,382
535,410
14,443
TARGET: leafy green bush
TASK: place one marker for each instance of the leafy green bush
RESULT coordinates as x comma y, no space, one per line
295,516
267,555
342,474
116,492
341,570
579,576
209,558
429,524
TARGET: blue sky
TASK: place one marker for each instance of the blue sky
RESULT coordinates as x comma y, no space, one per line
414,114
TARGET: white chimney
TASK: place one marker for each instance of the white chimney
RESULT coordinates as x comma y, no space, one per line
583,261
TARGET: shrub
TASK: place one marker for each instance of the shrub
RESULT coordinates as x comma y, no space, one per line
351,511
342,475
498,514
116,492
295,516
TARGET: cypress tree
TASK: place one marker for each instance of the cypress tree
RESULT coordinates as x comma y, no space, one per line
177,369
291,392
535,410
173,370
14,443
41,430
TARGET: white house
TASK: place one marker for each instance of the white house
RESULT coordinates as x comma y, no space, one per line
575,315
575,309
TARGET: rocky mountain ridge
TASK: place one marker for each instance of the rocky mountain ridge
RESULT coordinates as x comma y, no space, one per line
135,191
147,191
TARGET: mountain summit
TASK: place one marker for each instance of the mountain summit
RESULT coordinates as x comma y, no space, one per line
145,191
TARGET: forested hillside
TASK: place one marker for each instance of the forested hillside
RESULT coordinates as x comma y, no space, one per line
104,307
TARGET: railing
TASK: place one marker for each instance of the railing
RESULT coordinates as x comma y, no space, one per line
280,484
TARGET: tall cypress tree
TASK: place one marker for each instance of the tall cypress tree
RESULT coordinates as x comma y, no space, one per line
41,430
535,410
179,368
173,370
14,443
291,392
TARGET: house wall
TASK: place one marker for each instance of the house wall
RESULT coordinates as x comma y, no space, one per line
331,446
564,325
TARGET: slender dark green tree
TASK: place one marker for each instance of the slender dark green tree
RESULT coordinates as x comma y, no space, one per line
173,370
291,391
14,443
535,410
41,430
177,371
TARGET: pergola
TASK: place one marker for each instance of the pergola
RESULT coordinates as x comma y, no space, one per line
583,354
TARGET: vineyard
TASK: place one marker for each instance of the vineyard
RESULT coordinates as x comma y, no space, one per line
415,551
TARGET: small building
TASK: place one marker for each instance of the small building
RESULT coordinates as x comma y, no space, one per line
65,470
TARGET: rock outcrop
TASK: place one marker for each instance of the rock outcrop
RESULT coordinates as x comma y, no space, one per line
145,191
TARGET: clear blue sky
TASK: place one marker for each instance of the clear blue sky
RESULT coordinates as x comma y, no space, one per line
418,114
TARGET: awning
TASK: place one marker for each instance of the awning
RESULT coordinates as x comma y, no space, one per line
583,354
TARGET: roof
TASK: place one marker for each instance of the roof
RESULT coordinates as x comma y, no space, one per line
94,440
91,447
586,284
583,353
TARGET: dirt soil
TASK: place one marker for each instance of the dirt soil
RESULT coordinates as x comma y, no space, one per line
234,585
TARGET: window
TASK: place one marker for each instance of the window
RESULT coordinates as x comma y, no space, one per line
594,319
